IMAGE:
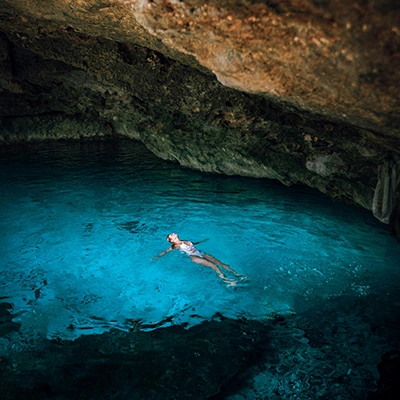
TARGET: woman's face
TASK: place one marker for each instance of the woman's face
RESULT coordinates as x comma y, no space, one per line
172,237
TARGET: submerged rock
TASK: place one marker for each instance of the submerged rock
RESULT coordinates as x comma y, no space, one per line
7,324
329,352
168,363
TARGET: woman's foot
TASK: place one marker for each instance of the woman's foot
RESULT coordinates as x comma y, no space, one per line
229,281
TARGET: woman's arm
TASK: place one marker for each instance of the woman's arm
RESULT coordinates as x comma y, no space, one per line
201,241
163,253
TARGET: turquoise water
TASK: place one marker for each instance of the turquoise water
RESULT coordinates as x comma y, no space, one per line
81,221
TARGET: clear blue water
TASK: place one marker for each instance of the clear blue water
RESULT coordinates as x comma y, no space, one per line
80,222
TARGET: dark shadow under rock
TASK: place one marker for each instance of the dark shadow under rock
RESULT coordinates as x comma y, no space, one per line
168,363
389,381
6,323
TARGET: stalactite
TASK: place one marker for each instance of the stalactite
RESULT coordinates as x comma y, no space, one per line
386,189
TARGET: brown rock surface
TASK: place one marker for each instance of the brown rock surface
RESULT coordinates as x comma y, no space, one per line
301,91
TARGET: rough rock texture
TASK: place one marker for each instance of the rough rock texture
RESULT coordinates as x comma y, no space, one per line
170,363
303,91
323,353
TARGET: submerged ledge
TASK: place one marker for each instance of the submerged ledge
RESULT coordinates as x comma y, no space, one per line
168,363
318,355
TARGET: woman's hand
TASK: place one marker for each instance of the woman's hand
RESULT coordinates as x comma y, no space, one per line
163,253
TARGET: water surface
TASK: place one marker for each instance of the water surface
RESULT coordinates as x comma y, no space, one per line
81,221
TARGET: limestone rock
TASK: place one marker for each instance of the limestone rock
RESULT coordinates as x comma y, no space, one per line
299,91
386,189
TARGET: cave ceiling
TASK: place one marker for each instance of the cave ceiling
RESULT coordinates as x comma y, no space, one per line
303,91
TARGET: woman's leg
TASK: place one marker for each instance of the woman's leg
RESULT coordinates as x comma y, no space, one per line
205,262
216,261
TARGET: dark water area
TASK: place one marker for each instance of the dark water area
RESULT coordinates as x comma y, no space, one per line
81,222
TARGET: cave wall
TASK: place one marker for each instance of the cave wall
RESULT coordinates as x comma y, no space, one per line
299,91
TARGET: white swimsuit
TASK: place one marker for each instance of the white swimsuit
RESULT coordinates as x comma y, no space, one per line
190,250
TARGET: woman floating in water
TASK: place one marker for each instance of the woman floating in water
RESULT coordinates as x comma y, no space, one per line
199,257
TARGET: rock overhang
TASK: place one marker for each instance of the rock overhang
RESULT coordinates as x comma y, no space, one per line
302,92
